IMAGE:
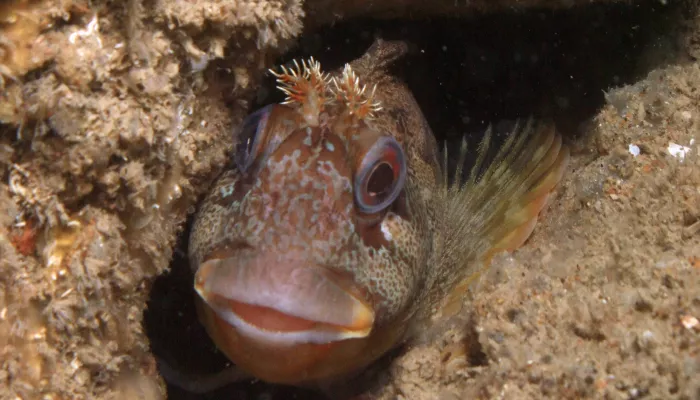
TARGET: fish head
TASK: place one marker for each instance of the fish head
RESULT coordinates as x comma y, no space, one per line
305,253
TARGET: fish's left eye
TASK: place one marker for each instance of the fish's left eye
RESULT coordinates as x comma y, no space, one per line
381,176
250,137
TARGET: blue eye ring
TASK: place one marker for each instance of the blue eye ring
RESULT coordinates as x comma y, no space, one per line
381,176
250,135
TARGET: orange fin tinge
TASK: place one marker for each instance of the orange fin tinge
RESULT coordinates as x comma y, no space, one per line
518,186
523,216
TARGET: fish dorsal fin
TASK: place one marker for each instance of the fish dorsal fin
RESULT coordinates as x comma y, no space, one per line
494,210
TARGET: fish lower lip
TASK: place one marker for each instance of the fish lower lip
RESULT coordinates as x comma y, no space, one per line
282,303
267,324
269,319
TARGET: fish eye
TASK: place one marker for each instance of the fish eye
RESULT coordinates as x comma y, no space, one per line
381,176
250,135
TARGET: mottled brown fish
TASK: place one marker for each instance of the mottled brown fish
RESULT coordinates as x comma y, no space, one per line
339,234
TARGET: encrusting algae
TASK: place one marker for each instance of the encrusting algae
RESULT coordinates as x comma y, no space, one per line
340,234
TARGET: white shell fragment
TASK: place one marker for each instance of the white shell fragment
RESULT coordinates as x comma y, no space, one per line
689,322
634,149
677,150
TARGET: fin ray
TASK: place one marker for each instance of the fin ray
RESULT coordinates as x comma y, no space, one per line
497,209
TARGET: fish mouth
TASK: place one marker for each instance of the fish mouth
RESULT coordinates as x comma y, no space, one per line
284,303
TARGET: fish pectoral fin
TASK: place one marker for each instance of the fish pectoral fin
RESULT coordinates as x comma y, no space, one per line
522,212
497,208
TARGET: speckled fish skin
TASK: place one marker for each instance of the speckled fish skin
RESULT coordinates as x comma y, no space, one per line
297,282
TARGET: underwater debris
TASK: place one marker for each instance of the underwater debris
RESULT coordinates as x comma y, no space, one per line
678,150
634,150
60,242
689,322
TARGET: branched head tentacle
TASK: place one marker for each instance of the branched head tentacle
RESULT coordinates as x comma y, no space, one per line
358,100
306,86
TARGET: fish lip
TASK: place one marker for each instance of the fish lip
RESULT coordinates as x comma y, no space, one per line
328,309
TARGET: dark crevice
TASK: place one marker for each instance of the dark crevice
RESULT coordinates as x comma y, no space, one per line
588,333
476,357
643,306
468,73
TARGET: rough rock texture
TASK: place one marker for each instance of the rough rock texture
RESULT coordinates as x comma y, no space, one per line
115,116
603,301
111,130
